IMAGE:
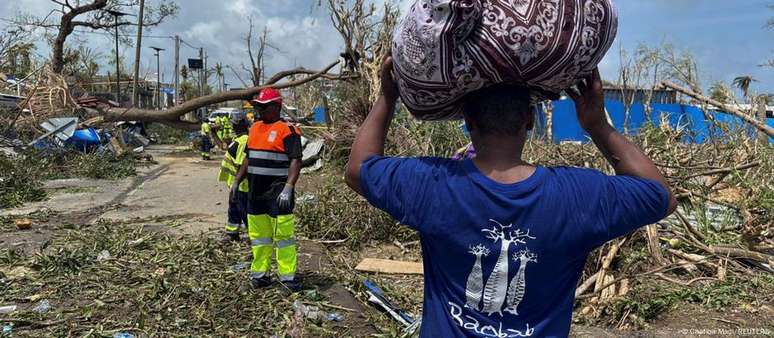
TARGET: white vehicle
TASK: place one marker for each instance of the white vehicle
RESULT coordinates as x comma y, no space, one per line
232,113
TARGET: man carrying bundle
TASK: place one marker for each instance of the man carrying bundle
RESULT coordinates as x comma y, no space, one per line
504,241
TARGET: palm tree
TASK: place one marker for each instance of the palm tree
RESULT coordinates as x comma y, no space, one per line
743,83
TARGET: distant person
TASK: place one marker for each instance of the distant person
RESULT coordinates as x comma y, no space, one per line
272,167
232,161
504,241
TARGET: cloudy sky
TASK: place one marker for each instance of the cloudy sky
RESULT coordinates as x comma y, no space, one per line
727,37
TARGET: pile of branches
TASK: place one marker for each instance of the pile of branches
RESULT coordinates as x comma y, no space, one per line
49,97
723,228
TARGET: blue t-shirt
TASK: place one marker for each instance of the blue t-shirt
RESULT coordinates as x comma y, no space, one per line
503,260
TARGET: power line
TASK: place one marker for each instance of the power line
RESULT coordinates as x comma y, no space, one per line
189,45
124,35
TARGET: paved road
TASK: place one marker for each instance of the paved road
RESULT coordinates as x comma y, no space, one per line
180,185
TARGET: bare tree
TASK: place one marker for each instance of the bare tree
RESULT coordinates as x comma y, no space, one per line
256,59
66,17
10,41
367,37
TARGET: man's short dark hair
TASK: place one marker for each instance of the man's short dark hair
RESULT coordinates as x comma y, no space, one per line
501,109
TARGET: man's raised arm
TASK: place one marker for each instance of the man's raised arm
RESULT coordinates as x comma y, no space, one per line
625,157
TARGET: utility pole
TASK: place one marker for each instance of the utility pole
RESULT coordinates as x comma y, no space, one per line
136,82
116,15
201,78
177,69
205,70
158,77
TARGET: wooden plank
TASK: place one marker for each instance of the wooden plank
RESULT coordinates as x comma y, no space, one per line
389,266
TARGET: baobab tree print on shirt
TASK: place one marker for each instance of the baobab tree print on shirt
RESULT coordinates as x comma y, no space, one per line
495,294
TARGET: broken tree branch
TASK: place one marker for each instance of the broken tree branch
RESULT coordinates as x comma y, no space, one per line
724,170
726,108
173,115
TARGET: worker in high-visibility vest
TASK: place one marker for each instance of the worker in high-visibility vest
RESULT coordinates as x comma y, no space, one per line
219,130
206,143
272,167
228,130
237,204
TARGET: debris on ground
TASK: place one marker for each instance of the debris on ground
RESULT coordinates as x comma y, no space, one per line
42,307
23,224
377,296
103,256
314,313
7,308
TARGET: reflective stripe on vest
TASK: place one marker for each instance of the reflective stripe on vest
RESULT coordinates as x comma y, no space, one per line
268,171
267,155
266,149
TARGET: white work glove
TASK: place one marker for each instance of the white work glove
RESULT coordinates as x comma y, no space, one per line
283,200
233,192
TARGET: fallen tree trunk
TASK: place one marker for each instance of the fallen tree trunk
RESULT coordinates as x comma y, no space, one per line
172,116
726,108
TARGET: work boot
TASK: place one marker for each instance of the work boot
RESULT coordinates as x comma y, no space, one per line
292,285
230,237
260,283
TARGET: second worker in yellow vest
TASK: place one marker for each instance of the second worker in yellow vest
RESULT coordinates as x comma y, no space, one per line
272,168
237,204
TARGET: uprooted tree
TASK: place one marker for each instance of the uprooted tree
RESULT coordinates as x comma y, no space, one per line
363,33
172,116
93,15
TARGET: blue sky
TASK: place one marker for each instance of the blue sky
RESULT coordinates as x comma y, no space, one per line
726,36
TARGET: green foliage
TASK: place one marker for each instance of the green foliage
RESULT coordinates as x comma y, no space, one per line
336,212
21,176
649,301
88,165
167,135
20,181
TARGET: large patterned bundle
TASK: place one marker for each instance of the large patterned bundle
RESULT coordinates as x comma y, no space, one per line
444,49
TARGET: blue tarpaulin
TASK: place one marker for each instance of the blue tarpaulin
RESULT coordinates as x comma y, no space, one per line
319,115
692,119
84,140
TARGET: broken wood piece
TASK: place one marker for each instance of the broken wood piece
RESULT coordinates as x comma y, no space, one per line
585,285
653,244
606,263
389,266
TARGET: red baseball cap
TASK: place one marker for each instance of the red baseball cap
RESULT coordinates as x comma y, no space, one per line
268,95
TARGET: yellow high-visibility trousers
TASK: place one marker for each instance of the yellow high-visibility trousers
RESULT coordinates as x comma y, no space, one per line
273,234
